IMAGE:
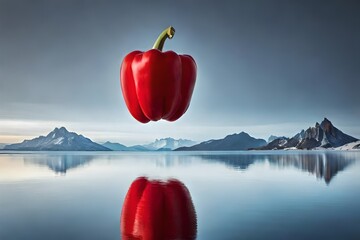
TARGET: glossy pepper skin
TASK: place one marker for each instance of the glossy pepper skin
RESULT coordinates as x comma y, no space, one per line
157,85
158,210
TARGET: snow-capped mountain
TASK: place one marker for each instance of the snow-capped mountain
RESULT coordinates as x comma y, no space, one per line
157,145
169,144
272,138
59,139
324,135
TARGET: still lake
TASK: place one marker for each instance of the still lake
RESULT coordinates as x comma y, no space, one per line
236,195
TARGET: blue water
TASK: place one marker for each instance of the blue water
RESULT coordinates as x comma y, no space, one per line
236,195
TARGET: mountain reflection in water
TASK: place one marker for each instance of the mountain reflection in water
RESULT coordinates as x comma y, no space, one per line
322,165
59,163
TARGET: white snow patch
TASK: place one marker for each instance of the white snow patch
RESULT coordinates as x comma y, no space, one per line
324,141
291,148
349,146
58,140
282,142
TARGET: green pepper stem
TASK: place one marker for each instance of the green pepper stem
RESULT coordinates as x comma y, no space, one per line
167,33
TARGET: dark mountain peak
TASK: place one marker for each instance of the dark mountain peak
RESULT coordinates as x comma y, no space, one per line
317,125
326,125
236,141
60,132
326,120
236,135
61,129
243,134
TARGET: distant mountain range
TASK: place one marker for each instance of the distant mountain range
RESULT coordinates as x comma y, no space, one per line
163,144
2,145
241,141
169,144
322,136
59,139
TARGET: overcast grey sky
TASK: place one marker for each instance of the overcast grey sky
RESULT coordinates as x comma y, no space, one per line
264,67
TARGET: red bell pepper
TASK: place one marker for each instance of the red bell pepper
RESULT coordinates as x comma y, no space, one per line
158,210
157,85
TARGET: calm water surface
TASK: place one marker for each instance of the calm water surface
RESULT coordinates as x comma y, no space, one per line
236,195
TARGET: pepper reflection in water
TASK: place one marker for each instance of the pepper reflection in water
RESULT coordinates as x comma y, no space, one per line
155,209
